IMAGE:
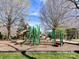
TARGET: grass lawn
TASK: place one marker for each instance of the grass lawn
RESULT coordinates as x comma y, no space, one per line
39,56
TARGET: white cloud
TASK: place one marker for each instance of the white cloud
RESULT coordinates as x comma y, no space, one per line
43,1
35,14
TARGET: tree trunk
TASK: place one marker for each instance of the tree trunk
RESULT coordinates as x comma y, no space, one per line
9,27
9,32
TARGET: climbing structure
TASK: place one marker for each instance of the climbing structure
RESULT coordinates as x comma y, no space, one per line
54,38
34,34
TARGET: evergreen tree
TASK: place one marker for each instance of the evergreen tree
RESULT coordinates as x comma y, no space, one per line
21,25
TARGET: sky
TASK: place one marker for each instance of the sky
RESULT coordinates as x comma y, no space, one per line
34,12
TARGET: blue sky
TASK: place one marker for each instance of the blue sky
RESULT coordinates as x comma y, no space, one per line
34,10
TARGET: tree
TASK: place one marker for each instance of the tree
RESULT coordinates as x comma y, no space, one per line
72,33
52,13
76,3
59,31
11,11
21,27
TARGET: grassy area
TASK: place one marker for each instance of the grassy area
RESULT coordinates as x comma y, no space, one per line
39,56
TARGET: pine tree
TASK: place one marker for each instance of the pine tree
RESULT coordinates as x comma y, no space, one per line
21,25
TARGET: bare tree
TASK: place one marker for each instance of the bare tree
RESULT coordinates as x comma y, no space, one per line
11,11
53,13
76,3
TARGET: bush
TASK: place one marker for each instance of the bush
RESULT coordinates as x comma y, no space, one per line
1,36
14,37
72,33
49,34
58,31
61,30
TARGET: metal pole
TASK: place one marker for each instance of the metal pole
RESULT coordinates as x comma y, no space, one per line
54,37
61,38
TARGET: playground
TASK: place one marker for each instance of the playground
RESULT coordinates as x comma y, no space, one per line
35,42
39,29
32,42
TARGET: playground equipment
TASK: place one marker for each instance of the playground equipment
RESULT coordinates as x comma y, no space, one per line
54,38
61,38
34,34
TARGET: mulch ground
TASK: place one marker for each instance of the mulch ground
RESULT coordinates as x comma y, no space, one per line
8,46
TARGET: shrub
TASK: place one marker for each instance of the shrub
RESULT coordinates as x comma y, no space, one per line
49,34
72,33
60,30
1,36
14,37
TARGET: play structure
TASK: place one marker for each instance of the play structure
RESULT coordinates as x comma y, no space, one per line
33,35
54,38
